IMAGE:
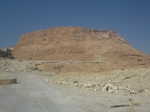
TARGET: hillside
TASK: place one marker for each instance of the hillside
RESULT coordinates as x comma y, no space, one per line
71,49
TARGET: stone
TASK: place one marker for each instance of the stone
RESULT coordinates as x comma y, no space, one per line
110,88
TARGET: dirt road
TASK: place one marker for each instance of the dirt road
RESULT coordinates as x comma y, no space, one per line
34,94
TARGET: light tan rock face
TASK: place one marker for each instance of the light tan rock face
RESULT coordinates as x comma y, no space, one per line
77,44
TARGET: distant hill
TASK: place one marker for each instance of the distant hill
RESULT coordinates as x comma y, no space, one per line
102,50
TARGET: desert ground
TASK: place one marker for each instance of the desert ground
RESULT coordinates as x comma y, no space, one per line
36,91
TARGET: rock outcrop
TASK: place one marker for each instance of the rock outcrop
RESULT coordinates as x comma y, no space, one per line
6,53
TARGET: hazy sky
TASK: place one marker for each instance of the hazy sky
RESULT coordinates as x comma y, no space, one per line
130,18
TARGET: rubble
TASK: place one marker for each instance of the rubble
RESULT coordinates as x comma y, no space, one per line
13,65
110,88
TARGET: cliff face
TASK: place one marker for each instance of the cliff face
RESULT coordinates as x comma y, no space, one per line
79,44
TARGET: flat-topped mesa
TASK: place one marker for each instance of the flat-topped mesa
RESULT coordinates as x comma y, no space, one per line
88,50
72,43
